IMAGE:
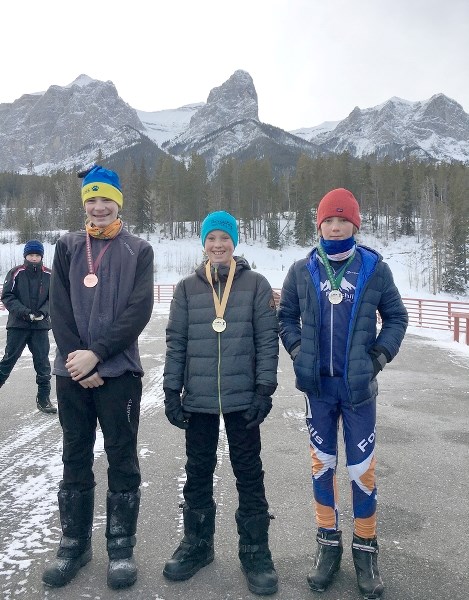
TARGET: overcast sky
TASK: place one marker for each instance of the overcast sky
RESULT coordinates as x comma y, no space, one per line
310,60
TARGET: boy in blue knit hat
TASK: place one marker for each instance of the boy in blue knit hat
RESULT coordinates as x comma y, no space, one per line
25,295
221,361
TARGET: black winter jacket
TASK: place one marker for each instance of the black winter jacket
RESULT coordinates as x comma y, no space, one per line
26,291
109,317
219,372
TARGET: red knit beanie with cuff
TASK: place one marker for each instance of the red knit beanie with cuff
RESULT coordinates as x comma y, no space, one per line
339,203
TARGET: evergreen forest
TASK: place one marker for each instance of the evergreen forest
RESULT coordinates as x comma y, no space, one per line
406,198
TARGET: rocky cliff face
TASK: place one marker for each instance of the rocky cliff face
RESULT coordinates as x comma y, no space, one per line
228,125
66,127
50,127
234,101
435,129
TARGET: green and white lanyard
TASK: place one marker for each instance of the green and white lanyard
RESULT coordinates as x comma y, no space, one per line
335,295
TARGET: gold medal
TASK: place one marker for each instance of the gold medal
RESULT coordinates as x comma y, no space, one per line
90,280
335,296
219,324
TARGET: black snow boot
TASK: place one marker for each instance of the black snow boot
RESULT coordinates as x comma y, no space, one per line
196,548
254,553
76,516
121,526
327,559
365,559
44,404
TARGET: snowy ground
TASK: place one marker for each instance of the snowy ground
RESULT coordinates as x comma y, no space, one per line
175,259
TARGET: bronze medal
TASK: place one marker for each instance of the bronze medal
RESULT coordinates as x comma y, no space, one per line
335,296
90,280
219,324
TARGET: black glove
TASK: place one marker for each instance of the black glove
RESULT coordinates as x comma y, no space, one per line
173,409
380,356
260,407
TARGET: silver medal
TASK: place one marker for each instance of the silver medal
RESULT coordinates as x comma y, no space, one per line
335,296
219,324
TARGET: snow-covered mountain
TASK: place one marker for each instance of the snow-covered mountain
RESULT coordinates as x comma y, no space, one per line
228,125
66,127
164,125
52,128
434,129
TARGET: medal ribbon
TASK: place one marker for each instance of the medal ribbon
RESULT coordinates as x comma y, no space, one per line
220,306
334,279
93,267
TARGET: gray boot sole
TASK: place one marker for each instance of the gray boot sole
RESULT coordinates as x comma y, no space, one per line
60,573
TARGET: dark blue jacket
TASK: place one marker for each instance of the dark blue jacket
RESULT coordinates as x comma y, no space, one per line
300,323
26,290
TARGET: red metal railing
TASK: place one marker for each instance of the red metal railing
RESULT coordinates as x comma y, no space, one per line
449,315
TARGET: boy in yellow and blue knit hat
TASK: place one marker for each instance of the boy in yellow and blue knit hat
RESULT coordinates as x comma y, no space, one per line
101,300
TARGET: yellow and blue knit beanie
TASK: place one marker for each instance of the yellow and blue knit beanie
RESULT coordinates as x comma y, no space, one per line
222,221
99,181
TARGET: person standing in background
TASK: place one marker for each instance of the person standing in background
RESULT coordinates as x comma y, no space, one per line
328,325
25,295
101,299
221,361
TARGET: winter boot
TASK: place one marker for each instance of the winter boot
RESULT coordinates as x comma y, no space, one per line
327,559
365,559
121,527
254,553
196,548
76,516
44,405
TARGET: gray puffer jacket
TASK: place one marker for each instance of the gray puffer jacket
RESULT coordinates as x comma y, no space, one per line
219,372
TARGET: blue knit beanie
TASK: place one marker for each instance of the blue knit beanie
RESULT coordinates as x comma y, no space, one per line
222,221
99,181
33,247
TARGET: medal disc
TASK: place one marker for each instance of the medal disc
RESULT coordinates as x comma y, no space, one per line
335,296
90,280
219,324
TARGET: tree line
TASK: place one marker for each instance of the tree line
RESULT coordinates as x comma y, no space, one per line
396,199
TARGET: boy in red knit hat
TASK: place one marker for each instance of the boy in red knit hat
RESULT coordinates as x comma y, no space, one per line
328,324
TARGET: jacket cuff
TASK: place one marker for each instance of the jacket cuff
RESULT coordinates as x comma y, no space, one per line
377,350
295,351
265,390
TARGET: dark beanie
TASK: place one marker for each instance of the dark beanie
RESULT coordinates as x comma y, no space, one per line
33,247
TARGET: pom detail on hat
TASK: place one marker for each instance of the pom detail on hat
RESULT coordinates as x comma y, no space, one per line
339,203
33,247
222,221
99,181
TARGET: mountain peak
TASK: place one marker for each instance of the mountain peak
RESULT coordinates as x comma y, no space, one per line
82,81
237,95
233,101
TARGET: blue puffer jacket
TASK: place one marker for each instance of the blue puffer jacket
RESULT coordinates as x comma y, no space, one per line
300,323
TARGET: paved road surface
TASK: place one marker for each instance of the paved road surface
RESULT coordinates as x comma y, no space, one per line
423,458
